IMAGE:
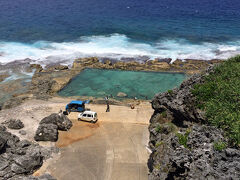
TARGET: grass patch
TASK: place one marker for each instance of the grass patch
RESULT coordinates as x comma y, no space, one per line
172,127
158,166
219,97
170,91
164,114
159,144
166,128
183,138
158,128
219,146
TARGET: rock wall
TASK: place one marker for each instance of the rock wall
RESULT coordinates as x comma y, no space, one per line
18,159
183,145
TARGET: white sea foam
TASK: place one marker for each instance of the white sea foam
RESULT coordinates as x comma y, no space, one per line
114,46
19,75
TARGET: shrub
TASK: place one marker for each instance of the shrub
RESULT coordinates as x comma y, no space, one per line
164,114
219,97
172,127
158,128
219,146
158,166
183,138
159,144
170,91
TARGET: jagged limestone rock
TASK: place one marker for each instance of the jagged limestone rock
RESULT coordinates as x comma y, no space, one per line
183,146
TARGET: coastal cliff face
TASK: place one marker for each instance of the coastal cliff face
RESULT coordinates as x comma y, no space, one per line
183,145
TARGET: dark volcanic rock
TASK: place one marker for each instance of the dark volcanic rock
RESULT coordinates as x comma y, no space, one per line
56,67
2,143
2,128
167,60
179,103
15,124
49,126
27,163
22,132
47,132
199,160
11,140
183,147
19,158
63,123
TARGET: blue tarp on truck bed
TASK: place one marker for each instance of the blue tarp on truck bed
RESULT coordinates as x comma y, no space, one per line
80,102
76,106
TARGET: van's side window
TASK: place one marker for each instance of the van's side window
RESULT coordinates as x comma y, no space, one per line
84,115
89,115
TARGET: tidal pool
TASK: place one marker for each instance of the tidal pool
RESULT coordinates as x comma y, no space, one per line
99,83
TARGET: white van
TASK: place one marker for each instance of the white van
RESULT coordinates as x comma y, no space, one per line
88,116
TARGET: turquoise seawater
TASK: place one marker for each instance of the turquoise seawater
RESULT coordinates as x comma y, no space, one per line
143,85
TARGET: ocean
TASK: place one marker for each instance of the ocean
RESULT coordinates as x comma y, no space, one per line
49,31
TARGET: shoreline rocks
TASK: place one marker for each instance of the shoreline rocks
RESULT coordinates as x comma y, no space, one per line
48,81
52,79
3,76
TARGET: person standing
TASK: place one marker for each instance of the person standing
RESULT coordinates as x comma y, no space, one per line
107,102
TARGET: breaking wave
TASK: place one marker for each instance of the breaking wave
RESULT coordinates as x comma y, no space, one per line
114,46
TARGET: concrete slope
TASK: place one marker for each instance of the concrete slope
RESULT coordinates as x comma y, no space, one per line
115,151
114,148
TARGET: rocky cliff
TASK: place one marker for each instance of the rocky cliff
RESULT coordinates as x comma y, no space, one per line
183,145
19,159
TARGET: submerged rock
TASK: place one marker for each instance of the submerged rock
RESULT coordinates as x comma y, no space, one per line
121,94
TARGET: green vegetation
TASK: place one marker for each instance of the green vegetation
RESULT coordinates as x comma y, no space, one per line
219,97
158,128
219,146
172,127
183,138
164,114
159,144
158,166
170,91
169,127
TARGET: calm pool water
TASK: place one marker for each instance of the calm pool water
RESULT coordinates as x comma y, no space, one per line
99,83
